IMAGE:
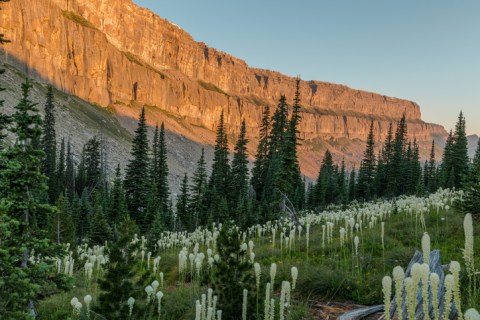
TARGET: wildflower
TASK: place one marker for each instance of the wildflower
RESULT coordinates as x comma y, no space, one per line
130,303
434,282
426,248
273,272
294,272
387,294
159,299
149,291
87,299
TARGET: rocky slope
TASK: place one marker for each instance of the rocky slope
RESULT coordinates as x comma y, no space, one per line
114,54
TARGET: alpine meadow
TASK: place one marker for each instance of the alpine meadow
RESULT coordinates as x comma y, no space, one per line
144,175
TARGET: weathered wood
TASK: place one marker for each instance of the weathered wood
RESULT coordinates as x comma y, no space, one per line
435,267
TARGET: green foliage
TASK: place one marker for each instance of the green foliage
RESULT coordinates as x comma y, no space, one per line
61,226
197,205
233,273
366,174
70,15
183,213
49,146
118,283
99,230
136,184
470,202
211,87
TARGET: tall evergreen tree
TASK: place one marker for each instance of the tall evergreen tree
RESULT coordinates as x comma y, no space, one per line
260,168
470,203
49,145
69,182
430,171
23,214
117,209
238,183
366,175
219,177
447,167
99,230
61,226
161,176
60,174
92,165
183,214
460,152
396,178
137,184
197,206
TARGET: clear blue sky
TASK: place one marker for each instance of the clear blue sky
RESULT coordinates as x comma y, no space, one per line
427,51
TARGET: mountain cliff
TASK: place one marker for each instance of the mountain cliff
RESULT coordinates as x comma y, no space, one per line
115,54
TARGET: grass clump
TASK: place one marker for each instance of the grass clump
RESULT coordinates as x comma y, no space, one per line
72,16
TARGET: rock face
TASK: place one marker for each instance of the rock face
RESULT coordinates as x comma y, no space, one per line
114,53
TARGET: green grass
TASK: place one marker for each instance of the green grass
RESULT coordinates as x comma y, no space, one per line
333,273
211,87
70,15
137,60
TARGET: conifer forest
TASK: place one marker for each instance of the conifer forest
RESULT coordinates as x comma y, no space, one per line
245,237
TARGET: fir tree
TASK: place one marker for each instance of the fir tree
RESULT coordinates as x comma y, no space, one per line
161,173
220,176
92,164
470,202
238,188
99,230
366,176
118,283
447,169
60,174
352,191
61,227
23,215
69,181
117,209
460,152
260,168
197,206
232,273
49,145
396,177
137,184
430,171
183,215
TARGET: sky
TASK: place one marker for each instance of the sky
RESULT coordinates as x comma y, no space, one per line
426,51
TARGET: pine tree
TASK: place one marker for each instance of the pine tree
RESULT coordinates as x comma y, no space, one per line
460,152
137,185
470,203
384,167
447,169
220,176
260,168
60,174
117,209
396,177
325,188
118,283
430,171
99,230
161,175
84,215
23,215
366,176
197,206
69,181
183,214
61,227
232,273
92,165
49,146
352,183
238,188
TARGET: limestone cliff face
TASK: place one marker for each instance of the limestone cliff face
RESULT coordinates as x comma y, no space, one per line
113,53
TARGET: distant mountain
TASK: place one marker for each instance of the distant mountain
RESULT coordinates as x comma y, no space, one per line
121,57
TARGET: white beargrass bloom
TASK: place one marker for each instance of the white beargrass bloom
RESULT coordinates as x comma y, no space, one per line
434,282
209,297
455,269
398,277
272,309
250,246
411,297
78,308
209,313
426,248
449,285
267,302
323,236
204,306
161,280
245,304
252,257
468,254
294,272
425,277
149,291
258,272
214,306
87,299
243,247
472,314
198,310
74,301
356,242
273,272
282,301
219,315
383,235
159,296
130,303
387,295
